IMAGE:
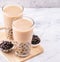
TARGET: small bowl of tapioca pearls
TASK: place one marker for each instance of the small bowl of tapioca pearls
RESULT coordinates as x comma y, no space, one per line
6,46
35,41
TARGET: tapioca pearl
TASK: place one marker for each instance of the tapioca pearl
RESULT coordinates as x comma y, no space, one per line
11,32
26,50
22,50
24,53
22,46
26,45
17,52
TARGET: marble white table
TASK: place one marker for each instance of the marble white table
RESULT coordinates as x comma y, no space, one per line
47,26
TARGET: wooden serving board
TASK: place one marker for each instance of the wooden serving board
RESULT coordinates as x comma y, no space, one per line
13,58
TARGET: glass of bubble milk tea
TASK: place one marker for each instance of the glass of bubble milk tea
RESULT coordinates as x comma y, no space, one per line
22,34
11,12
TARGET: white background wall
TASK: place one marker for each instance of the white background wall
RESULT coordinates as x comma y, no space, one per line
34,3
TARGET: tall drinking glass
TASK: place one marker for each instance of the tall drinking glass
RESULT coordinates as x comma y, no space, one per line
11,12
22,34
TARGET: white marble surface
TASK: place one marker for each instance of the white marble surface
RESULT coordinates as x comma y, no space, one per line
47,26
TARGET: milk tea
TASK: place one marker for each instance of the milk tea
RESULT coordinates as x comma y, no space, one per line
11,13
22,34
22,30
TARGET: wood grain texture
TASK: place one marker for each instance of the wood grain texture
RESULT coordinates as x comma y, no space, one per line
13,58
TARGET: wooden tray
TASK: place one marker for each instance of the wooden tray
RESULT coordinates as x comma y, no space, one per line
13,58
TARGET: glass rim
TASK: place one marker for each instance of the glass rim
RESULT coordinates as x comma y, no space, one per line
25,17
18,5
